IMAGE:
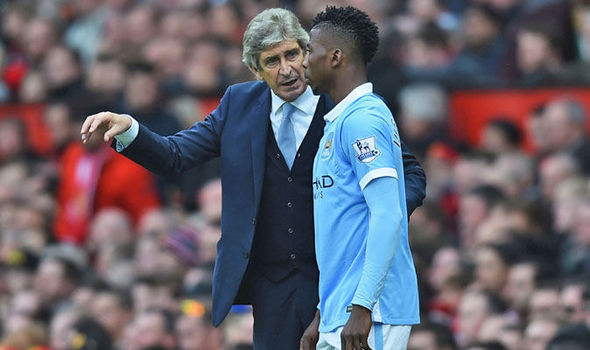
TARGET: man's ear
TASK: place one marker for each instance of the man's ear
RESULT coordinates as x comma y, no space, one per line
336,57
255,71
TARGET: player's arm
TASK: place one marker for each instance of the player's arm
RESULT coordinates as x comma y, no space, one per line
385,219
378,179
384,229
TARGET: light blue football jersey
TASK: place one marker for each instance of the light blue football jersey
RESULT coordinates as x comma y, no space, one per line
360,143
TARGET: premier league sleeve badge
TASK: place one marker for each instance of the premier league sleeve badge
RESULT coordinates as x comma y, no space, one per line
366,149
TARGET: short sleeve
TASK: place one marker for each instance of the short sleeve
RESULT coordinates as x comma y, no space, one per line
370,143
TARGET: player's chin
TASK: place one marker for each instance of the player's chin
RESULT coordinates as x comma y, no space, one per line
311,84
317,90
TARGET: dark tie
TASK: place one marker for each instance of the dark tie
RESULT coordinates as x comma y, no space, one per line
286,137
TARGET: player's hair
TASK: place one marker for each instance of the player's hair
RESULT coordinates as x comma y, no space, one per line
354,26
269,28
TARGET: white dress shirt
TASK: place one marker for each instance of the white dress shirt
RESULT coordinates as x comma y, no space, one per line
302,116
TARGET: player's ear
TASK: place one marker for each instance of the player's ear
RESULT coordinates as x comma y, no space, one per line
335,58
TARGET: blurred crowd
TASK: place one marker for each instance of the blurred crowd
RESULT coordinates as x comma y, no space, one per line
98,253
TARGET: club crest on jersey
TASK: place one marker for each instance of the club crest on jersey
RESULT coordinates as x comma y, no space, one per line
328,145
366,149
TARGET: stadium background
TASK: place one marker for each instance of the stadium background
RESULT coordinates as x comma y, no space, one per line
491,96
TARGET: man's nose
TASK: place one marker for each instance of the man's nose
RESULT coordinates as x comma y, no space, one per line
285,67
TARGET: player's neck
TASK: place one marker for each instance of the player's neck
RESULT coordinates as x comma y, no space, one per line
344,84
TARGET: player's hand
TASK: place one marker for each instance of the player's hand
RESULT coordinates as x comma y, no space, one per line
310,337
355,334
106,123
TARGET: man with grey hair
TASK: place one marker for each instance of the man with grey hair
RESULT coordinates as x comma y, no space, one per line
266,134
566,118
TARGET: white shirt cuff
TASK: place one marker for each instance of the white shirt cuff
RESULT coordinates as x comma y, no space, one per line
124,139
376,173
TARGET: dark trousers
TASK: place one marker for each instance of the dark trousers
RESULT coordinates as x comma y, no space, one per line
282,310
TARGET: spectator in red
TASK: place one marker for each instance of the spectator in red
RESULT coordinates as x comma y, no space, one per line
86,186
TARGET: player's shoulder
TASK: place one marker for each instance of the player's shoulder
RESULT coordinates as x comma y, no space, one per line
366,110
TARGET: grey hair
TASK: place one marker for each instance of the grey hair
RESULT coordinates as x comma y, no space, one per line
269,28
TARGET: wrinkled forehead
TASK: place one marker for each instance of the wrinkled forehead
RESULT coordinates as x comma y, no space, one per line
284,45
279,48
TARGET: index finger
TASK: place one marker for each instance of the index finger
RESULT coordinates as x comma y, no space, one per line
87,122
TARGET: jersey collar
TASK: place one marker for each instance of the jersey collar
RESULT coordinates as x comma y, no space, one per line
359,91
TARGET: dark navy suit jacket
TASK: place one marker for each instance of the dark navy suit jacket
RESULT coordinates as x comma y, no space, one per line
237,133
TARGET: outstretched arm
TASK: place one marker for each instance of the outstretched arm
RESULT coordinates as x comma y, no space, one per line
164,155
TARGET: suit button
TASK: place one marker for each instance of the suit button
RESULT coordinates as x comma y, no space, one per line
298,155
290,230
253,221
246,255
289,204
290,179
292,256
278,156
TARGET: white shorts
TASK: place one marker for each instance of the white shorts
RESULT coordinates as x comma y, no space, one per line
381,337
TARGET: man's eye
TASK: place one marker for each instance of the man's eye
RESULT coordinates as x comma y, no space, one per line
271,62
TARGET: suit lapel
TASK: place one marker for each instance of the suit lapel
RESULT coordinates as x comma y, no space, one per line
259,120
